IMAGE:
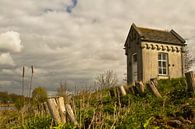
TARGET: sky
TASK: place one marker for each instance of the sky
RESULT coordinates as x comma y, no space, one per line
73,41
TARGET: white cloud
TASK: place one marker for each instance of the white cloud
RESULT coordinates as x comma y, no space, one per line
10,42
6,59
7,71
89,40
5,83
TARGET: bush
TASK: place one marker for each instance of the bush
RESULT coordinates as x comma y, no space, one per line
167,85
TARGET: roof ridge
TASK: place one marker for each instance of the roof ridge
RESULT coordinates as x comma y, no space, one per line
137,29
153,29
177,36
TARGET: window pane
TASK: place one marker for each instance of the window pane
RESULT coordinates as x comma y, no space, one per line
164,64
160,71
164,71
159,63
159,56
164,56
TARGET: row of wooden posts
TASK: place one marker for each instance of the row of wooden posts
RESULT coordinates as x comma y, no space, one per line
138,89
61,113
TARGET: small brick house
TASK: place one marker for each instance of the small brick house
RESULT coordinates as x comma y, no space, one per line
153,53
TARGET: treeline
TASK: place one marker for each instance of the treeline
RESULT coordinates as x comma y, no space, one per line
6,98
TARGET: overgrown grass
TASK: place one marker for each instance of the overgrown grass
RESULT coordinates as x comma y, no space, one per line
98,110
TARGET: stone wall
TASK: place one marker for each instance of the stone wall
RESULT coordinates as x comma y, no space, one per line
150,52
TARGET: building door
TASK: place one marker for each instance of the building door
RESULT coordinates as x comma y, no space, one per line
134,65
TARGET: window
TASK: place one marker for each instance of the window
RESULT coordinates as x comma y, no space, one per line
162,63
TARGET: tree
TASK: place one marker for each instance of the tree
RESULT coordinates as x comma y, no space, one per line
187,59
107,79
39,95
62,90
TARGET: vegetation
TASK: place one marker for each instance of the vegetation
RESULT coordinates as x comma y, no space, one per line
6,98
39,95
188,60
107,79
99,110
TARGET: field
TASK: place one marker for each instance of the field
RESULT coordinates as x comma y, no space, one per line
96,110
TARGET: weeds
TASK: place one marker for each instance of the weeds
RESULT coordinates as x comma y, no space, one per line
98,110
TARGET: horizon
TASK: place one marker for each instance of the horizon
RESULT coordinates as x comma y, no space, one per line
74,41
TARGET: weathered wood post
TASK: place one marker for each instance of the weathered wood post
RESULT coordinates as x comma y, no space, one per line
135,90
46,108
122,90
70,114
153,89
142,87
190,78
62,109
139,88
53,109
154,80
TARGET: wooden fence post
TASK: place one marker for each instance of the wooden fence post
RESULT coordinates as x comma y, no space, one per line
153,89
142,87
46,108
122,90
53,109
135,90
62,109
154,80
70,114
139,88
190,78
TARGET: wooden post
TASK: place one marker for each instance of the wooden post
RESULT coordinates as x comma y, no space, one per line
135,90
71,114
62,109
112,92
53,109
154,80
122,90
139,88
131,90
153,89
46,108
142,86
190,78
127,89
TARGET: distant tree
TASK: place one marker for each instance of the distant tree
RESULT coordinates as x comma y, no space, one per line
4,97
62,90
39,95
187,59
107,79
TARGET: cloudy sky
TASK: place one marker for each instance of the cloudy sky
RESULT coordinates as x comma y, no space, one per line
75,40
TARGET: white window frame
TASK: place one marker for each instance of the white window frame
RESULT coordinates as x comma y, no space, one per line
162,63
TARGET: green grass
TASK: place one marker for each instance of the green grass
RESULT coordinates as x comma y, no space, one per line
99,110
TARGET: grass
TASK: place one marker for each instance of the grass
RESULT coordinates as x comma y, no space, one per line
98,110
